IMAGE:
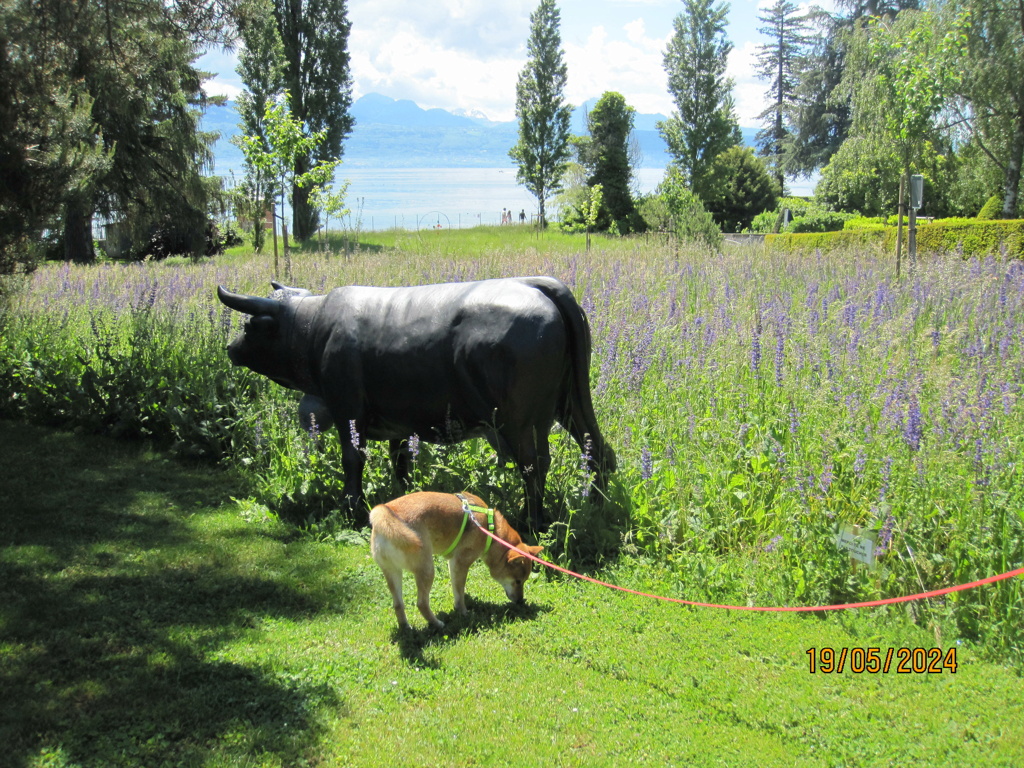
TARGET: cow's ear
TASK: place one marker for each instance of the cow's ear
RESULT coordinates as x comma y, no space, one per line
263,323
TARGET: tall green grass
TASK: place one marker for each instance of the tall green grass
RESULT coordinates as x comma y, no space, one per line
755,403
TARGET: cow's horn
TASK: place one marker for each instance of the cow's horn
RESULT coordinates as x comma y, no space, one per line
250,305
290,290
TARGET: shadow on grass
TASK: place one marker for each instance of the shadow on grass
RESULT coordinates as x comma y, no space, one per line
113,606
482,615
337,245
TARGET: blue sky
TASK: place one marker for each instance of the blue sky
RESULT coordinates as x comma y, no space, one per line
465,55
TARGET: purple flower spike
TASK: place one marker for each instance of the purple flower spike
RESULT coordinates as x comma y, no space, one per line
912,430
646,464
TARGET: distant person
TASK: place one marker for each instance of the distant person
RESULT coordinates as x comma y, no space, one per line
503,215
522,216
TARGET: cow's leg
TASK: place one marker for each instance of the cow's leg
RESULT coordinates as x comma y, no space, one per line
353,459
401,461
533,459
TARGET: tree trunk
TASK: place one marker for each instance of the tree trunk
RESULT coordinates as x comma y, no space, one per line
1011,185
304,217
273,210
78,231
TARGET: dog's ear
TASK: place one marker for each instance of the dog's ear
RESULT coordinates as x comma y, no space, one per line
516,552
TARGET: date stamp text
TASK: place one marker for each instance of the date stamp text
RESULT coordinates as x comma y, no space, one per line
873,661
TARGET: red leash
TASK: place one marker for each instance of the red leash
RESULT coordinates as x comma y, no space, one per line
868,604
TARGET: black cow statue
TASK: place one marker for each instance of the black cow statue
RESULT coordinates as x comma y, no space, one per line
499,359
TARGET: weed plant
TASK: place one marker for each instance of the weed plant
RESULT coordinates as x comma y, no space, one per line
755,401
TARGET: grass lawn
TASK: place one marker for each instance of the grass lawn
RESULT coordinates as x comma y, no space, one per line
147,619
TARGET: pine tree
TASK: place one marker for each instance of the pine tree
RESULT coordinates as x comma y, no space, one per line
127,67
703,125
823,113
542,151
780,62
314,34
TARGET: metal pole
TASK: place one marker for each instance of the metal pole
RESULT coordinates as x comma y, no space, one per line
912,239
899,229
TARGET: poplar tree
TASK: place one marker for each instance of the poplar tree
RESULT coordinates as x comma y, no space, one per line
703,124
314,35
261,69
780,62
542,152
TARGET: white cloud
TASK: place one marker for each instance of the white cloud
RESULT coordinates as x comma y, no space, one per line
748,90
218,87
627,61
467,54
454,54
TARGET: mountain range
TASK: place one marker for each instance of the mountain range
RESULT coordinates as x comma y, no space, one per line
393,133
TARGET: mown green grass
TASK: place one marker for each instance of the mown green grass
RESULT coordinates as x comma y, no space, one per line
471,242
147,619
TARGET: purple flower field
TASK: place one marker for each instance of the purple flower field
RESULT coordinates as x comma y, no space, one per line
755,403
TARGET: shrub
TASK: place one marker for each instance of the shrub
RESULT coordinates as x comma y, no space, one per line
820,221
966,236
809,242
992,209
736,188
863,175
690,221
973,237
798,206
655,213
764,222
865,222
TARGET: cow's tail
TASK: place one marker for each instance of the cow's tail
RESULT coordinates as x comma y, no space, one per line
576,411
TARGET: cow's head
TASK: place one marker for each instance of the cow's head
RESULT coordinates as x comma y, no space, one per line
265,342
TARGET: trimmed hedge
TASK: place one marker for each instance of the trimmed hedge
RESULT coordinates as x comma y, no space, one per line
973,237
809,242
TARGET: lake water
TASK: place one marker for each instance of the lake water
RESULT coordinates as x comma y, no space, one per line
456,198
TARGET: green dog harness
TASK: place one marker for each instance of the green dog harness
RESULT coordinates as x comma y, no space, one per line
469,509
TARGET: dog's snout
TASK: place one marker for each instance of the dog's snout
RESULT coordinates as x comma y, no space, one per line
514,592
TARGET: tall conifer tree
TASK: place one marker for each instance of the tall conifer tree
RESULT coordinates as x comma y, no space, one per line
703,125
542,151
780,62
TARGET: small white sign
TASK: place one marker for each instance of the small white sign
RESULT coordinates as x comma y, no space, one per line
859,542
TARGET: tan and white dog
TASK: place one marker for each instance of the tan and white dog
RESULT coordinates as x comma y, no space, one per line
410,530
